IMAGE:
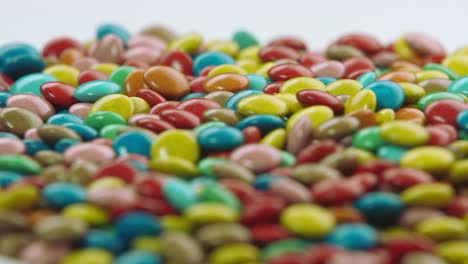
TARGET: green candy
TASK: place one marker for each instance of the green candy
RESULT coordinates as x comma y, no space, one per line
244,39
438,67
120,74
215,193
368,138
98,120
287,159
20,164
205,166
281,247
427,99
110,131
208,125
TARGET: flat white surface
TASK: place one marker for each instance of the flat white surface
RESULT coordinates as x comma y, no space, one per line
318,22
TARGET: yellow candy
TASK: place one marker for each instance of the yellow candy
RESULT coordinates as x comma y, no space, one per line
460,51
402,49
262,104
430,74
413,92
140,105
264,68
64,73
459,171
116,103
454,251
429,158
189,43
404,133
89,256
345,86
429,194
275,138
250,66
175,223
291,100
21,197
384,116
147,243
91,214
298,84
458,64
317,115
364,99
362,155
228,47
106,68
106,183
250,53
177,143
234,253
208,212
308,220
441,228
226,68
173,165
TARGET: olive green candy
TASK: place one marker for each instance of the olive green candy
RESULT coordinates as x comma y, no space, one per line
459,148
236,253
18,120
454,251
422,258
232,170
442,228
216,193
20,197
429,98
88,213
342,52
60,229
12,243
337,128
216,235
98,120
345,162
159,31
281,247
219,96
51,134
311,173
55,173
147,243
81,171
20,164
429,194
176,223
225,115
178,247
89,256
11,220
435,85
459,172
48,157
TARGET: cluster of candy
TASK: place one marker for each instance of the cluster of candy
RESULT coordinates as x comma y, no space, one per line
156,148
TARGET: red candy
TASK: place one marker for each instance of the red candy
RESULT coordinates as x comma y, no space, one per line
403,178
91,75
58,93
272,53
151,97
197,106
315,97
316,152
180,118
178,60
286,71
267,233
444,111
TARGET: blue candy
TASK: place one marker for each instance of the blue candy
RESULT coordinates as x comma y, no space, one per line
8,135
31,83
179,194
210,58
326,80
263,181
105,239
192,95
367,78
3,98
459,86
231,103
389,94
17,60
391,153
265,123
380,208
33,146
85,132
8,177
92,91
135,224
257,82
114,29
65,143
61,194
462,120
132,143
353,236
64,118
220,138
138,257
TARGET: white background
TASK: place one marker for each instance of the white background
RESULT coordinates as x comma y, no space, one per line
317,22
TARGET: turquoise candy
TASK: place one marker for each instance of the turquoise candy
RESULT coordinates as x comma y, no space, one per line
98,120
265,123
132,143
439,67
263,181
135,224
244,39
31,83
8,135
459,86
85,132
90,92
7,178
368,138
179,194
106,239
391,153
462,134
192,95
18,59
65,143
138,257
120,74
367,78
389,94
210,58
257,82
220,138
113,29
462,120
326,80
380,208
61,194
3,98
207,125
33,146
64,118
353,236
231,103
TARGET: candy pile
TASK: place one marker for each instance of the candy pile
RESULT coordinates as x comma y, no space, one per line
157,148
